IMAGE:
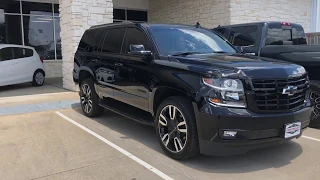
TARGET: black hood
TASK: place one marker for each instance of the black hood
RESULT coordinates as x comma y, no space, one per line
249,66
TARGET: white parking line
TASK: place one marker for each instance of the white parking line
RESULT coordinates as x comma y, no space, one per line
311,138
126,153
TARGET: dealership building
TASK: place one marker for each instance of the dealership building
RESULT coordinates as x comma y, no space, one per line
54,27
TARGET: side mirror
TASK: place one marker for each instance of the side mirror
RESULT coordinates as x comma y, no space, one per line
140,50
239,48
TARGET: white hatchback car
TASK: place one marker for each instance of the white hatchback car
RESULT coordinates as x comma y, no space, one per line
20,64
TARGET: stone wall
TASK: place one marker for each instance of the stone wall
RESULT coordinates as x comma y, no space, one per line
294,11
53,68
211,13
76,17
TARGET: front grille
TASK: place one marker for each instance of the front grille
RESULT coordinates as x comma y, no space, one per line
269,97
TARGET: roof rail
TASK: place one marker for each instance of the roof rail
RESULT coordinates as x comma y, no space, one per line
107,24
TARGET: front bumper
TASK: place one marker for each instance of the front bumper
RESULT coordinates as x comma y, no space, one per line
254,130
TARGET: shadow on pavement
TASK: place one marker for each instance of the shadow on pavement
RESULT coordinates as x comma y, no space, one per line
52,85
273,157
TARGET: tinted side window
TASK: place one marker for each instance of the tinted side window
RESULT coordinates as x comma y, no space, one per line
99,39
113,40
243,36
6,54
87,42
22,52
135,37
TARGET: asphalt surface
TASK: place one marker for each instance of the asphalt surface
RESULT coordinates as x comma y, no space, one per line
36,142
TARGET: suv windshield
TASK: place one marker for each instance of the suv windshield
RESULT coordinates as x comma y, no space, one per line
188,40
285,35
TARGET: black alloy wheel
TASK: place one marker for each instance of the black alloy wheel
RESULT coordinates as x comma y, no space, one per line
176,128
86,101
172,129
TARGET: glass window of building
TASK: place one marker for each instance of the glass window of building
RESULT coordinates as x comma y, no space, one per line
31,24
120,15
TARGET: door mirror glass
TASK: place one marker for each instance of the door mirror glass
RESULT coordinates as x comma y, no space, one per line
139,50
136,48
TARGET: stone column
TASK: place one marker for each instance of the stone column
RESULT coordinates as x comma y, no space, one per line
76,17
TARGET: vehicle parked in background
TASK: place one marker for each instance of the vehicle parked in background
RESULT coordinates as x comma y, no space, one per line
20,64
199,93
283,41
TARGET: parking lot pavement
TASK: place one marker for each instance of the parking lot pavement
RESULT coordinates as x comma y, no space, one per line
51,85
297,159
41,144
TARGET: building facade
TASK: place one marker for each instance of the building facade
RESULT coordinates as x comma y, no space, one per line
54,27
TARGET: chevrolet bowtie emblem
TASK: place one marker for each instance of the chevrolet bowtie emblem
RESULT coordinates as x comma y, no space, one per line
290,90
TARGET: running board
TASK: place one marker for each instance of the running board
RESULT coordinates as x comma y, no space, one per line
127,111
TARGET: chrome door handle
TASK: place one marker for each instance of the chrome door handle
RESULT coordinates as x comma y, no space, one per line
118,64
95,60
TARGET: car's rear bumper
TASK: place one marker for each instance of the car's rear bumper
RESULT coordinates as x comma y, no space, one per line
254,130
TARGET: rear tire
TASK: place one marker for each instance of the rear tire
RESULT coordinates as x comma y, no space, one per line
176,128
89,99
315,98
38,78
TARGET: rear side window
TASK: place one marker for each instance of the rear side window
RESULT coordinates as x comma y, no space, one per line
113,40
99,39
135,37
222,32
243,36
87,41
6,54
278,34
22,52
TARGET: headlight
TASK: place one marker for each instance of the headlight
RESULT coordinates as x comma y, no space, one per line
229,92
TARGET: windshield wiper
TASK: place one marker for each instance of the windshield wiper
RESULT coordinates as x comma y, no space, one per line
186,53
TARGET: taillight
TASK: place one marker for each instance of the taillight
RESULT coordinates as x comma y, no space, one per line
285,24
41,59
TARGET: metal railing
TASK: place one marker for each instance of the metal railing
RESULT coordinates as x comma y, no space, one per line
313,38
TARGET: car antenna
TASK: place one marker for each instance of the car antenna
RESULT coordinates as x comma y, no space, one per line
198,25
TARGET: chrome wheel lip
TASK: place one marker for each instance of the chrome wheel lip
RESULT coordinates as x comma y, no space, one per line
85,99
39,78
315,97
175,128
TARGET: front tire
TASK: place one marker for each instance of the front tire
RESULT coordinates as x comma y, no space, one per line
315,98
89,99
176,128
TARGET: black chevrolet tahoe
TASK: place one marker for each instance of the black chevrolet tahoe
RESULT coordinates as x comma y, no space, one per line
199,93
283,41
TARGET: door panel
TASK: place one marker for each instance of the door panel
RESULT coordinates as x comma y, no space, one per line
131,72
8,74
25,64
131,81
108,52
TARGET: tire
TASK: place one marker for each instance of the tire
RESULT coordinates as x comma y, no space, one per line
89,99
179,137
38,78
315,98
